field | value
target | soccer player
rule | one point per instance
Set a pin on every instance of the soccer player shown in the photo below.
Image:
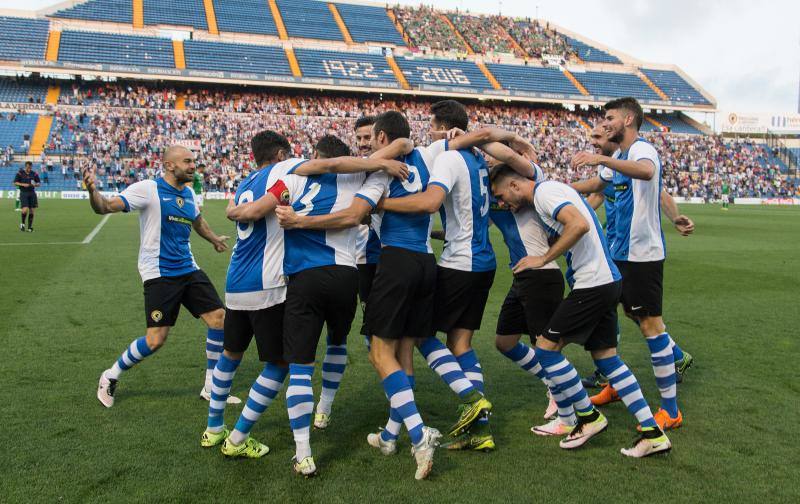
(638, 248)
(256, 286)
(588, 315)
(167, 215)
(197, 184)
(27, 181)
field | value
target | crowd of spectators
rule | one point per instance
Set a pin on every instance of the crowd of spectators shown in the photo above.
(427, 30)
(484, 34)
(538, 39)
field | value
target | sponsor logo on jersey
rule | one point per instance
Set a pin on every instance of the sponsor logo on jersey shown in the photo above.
(622, 187)
(179, 220)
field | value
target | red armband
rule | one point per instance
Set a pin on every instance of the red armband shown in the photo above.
(281, 193)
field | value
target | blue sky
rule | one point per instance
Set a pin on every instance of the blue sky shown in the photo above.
(745, 53)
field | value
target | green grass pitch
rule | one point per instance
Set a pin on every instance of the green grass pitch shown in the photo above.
(68, 310)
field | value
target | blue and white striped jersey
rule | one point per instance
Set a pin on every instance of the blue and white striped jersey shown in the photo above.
(464, 177)
(638, 236)
(255, 275)
(166, 215)
(589, 262)
(523, 231)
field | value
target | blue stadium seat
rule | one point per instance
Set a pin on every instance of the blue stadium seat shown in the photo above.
(309, 19)
(533, 79)
(116, 11)
(369, 24)
(674, 122)
(342, 65)
(56, 181)
(443, 73)
(94, 47)
(13, 132)
(12, 91)
(245, 16)
(795, 152)
(202, 55)
(175, 12)
(616, 85)
(675, 86)
(590, 53)
(22, 38)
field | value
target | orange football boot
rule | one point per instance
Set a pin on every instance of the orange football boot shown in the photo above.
(606, 396)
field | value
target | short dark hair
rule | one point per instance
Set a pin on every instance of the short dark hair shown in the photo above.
(364, 121)
(500, 172)
(331, 146)
(28, 163)
(393, 124)
(451, 114)
(266, 145)
(631, 105)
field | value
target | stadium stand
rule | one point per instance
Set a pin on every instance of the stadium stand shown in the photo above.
(672, 122)
(533, 79)
(117, 11)
(608, 84)
(203, 55)
(537, 39)
(14, 91)
(675, 86)
(245, 16)
(482, 33)
(369, 24)
(14, 128)
(369, 68)
(94, 47)
(426, 29)
(309, 19)
(441, 72)
(175, 12)
(22, 38)
(589, 53)
(795, 151)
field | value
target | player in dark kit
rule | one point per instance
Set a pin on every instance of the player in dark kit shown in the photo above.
(27, 181)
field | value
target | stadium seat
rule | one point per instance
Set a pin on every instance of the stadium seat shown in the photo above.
(117, 11)
(533, 79)
(443, 73)
(12, 132)
(309, 19)
(341, 65)
(86, 47)
(369, 24)
(245, 16)
(589, 53)
(175, 12)
(675, 86)
(202, 55)
(616, 85)
(672, 121)
(22, 38)
(12, 91)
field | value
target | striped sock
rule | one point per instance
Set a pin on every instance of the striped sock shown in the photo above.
(623, 381)
(472, 370)
(214, 341)
(401, 398)
(564, 376)
(676, 350)
(263, 391)
(525, 357)
(300, 403)
(222, 378)
(392, 430)
(442, 360)
(664, 368)
(136, 351)
(332, 371)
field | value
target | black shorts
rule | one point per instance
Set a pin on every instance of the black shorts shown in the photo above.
(366, 274)
(460, 298)
(587, 317)
(164, 296)
(531, 302)
(317, 296)
(642, 287)
(28, 200)
(267, 327)
(400, 304)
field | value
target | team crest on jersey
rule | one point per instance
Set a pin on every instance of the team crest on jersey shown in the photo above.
(156, 315)
(285, 197)
(180, 202)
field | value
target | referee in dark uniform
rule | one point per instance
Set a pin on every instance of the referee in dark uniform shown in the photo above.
(27, 181)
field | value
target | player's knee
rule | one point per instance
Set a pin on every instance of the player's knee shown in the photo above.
(156, 337)
(604, 353)
(233, 355)
(505, 343)
(546, 344)
(215, 319)
(651, 326)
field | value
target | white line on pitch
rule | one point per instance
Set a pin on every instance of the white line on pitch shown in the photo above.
(96, 229)
(39, 243)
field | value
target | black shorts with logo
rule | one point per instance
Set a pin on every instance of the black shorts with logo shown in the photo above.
(366, 275)
(315, 297)
(400, 304)
(267, 327)
(642, 287)
(531, 302)
(587, 317)
(28, 200)
(163, 297)
(460, 298)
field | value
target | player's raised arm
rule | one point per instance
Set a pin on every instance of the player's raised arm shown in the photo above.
(397, 148)
(100, 204)
(575, 226)
(428, 201)
(255, 210)
(589, 186)
(643, 168)
(683, 224)
(348, 164)
(203, 229)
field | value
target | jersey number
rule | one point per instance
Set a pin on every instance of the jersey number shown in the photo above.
(308, 199)
(247, 230)
(414, 182)
(483, 179)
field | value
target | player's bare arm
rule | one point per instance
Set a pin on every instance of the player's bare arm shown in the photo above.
(425, 202)
(397, 148)
(575, 226)
(643, 169)
(349, 217)
(595, 200)
(344, 165)
(458, 139)
(203, 229)
(589, 186)
(100, 204)
(682, 223)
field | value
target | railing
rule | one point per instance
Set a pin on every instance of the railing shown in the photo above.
(783, 153)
